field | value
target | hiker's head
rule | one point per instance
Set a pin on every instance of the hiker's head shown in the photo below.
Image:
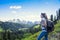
(43, 15)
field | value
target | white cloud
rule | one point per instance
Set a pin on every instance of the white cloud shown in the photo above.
(26, 18)
(15, 7)
(5, 18)
(30, 18)
(14, 12)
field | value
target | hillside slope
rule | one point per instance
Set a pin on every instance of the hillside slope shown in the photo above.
(34, 36)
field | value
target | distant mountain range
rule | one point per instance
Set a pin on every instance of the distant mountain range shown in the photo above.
(16, 24)
(23, 21)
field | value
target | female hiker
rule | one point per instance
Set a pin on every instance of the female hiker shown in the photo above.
(44, 32)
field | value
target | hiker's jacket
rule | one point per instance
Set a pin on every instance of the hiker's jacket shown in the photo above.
(43, 27)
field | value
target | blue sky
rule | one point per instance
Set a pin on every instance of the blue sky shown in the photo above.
(28, 10)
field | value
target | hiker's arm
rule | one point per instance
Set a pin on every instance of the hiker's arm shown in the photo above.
(45, 23)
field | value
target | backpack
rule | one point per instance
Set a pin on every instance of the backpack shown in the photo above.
(50, 26)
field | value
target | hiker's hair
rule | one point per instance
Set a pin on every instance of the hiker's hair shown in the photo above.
(44, 15)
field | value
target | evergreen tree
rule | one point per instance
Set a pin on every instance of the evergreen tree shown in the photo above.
(58, 14)
(51, 17)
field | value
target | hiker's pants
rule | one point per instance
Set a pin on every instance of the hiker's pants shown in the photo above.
(43, 34)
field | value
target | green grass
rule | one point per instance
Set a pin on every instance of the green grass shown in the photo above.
(57, 26)
(32, 37)
(37, 26)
